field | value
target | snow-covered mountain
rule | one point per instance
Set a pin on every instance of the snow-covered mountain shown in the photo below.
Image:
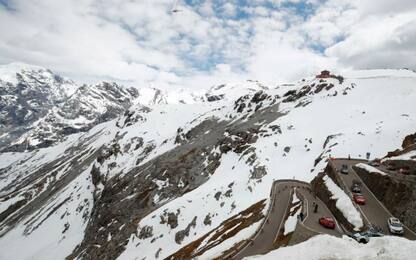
(126, 173)
(27, 95)
(40, 108)
(153, 96)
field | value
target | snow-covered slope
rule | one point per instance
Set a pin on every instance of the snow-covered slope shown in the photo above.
(153, 96)
(166, 173)
(232, 91)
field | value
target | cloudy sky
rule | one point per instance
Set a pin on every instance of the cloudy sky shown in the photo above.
(142, 42)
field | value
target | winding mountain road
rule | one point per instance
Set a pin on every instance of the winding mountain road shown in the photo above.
(266, 238)
(273, 225)
(311, 220)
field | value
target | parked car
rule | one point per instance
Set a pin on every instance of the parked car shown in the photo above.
(359, 198)
(327, 222)
(395, 226)
(344, 169)
(404, 170)
(361, 237)
(355, 188)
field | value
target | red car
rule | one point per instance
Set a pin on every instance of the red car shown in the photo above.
(359, 199)
(327, 222)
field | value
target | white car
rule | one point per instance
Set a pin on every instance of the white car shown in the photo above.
(395, 226)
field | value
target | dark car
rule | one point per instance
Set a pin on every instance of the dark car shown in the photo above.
(327, 222)
(355, 188)
(344, 169)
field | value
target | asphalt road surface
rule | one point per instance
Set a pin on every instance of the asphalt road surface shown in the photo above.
(311, 220)
(263, 241)
(273, 226)
(374, 212)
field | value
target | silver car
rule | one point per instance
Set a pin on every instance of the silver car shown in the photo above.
(395, 226)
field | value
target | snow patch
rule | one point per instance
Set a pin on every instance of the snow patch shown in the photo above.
(370, 168)
(344, 203)
(291, 221)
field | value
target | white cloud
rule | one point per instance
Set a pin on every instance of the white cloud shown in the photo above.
(143, 42)
(229, 9)
(207, 8)
(382, 37)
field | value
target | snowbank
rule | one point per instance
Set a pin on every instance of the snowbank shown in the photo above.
(291, 221)
(407, 156)
(344, 203)
(330, 247)
(370, 168)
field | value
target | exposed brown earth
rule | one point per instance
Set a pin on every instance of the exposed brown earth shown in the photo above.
(226, 230)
